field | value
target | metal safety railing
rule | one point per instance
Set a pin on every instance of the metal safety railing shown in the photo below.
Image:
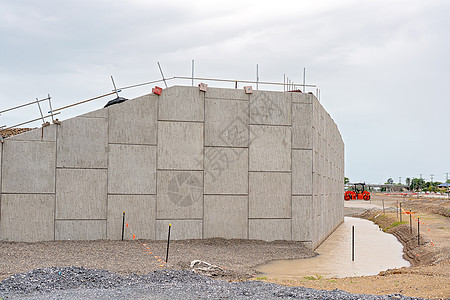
(287, 84)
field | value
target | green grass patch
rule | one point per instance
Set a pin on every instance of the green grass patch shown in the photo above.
(317, 277)
(395, 224)
(261, 278)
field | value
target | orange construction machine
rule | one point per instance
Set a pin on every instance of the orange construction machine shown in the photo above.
(357, 191)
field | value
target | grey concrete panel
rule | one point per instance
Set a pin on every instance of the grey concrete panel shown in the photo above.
(27, 217)
(302, 218)
(99, 113)
(269, 195)
(81, 194)
(302, 173)
(302, 98)
(140, 215)
(270, 108)
(180, 145)
(270, 148)
(180, 195)
(218, 93)
(80, 230)
(132, 169)
(226, 123)
(226, 170)
(226, 217)
(269, 229)
(302, 131)
(181, 229)
(82, 143)
(134, 121)
(181, 103)
(28, 167)
(43, 134)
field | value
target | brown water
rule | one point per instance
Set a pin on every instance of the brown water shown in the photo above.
(375, 251)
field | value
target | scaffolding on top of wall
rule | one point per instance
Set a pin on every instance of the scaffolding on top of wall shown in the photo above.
(287, 84)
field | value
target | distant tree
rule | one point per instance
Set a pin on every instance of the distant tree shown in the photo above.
(408, 182)
(390, 181)
(346, 180)
(418, 184)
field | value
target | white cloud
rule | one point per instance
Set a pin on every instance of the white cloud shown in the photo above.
(382, 66)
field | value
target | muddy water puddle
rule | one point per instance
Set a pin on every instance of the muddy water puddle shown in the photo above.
(375, 251)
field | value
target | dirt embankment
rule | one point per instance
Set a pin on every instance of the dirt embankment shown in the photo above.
(13, 131)
(416, 249)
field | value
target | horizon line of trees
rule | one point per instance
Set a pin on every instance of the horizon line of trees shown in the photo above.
(419, 184)
(415, 184)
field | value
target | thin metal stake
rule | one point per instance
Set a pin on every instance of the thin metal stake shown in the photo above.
(397, 209)
(418, 231)
(168, 243)
(164, 79)
(353, 243)
(410, 222)
(383, 206)
(123, 224)
(115, 89)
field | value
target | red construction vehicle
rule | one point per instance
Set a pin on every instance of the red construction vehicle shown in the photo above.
(357, 191)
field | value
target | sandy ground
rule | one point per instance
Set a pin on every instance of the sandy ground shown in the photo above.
(427, 278)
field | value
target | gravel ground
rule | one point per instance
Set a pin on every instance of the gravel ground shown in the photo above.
(82, 283)
(238, 257)
(134, 270)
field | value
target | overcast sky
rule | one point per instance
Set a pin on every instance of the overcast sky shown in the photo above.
(382, 66)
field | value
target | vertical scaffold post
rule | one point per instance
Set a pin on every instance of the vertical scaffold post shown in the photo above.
(257, 76)
(40, 110)
(192, 82)
(160, 70)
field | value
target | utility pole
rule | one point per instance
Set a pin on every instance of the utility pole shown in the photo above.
(399, 180)
(431, 175)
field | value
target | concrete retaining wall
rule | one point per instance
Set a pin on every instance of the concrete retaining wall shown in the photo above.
(221, 163)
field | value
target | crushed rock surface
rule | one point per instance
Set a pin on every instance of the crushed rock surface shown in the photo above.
(83, 283)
